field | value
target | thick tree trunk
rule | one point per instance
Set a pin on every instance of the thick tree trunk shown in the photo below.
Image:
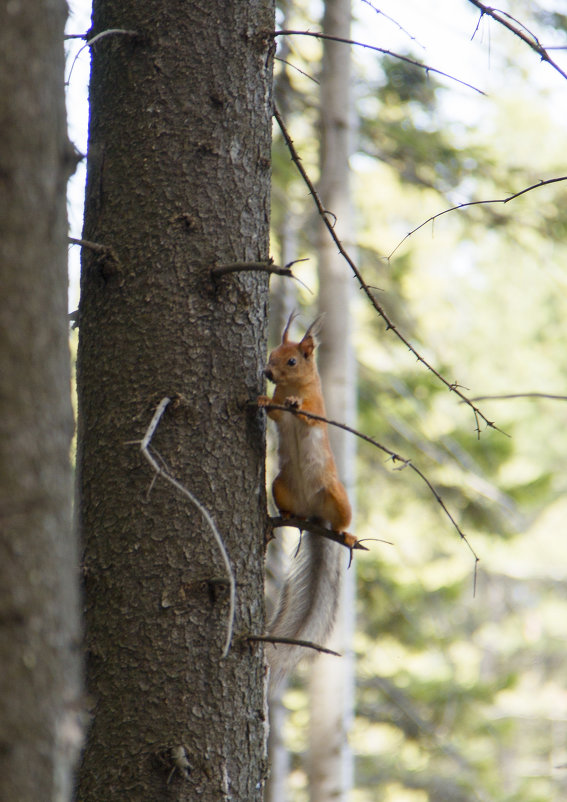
(39, 666)
(332, 680)
(178, 180)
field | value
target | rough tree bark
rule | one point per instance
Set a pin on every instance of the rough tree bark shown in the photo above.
(178, 181)
(332, 680)
(39, 639)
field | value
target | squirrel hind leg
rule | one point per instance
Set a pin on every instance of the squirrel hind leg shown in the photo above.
(335, 507)
(283, 497)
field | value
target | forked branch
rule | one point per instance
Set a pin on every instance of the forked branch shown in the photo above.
(519, 30)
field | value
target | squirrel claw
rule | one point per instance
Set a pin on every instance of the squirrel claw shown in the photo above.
(293, 402)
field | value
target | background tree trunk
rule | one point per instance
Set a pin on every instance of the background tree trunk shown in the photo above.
(39, 675)
(178, 180)
(332, 680)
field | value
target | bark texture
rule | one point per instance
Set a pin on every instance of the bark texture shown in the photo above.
(39, 674)
(178, 180)
(332, 680)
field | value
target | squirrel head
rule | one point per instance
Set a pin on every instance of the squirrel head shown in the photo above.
(293, 363)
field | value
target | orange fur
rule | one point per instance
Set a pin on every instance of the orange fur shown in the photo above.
(307, 486)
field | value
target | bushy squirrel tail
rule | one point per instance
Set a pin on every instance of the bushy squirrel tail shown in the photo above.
(307, 604)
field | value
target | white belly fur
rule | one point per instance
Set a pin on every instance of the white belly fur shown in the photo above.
(302, 461)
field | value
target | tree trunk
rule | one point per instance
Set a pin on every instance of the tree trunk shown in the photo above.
(332, 680)
(39, 675)
(178, 181)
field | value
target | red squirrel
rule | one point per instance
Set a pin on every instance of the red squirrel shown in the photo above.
(307, 486)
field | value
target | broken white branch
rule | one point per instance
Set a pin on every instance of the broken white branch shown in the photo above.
(97, 38)
(161, 471)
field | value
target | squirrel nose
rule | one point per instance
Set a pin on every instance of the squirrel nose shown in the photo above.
(269, 375)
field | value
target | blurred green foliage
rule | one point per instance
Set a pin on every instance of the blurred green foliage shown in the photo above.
(460, 695)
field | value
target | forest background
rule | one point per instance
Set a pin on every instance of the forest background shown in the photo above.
(459, 695)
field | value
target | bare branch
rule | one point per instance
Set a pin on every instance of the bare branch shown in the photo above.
(392, 20)
(343, 538)
(507, 199)
(164, 472)
(406, 59)
(307, 644)
(107, 255)
(266, 267)
(454, 387)
(395, 457)
(516, 27)
(549, 396)
(239, 267)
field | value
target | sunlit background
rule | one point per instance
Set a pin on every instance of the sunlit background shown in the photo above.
(461, 695)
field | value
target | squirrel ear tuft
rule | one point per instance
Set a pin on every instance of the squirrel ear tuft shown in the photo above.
(314, 329)
(287, 325)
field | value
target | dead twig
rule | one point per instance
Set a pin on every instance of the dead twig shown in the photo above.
(96, 247)
(293, 642)
(161, 470)
(267, 266)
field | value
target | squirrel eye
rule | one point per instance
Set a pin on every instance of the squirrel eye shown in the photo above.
(292, 361)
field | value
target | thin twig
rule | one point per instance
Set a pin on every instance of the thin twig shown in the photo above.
(392, 20)
(293, 642)
(162, 471)
(406, 59)
(343, 538)
(300, 71)
(507, 199)
(528, 38)
(454, 387)
(520, 395)
(394, 456)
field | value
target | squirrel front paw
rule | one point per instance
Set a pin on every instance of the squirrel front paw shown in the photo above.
(263, 400)
(293, 402)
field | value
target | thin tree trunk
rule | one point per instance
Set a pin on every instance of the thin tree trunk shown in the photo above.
(332, 679)
(178, 181)
(39, 638)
